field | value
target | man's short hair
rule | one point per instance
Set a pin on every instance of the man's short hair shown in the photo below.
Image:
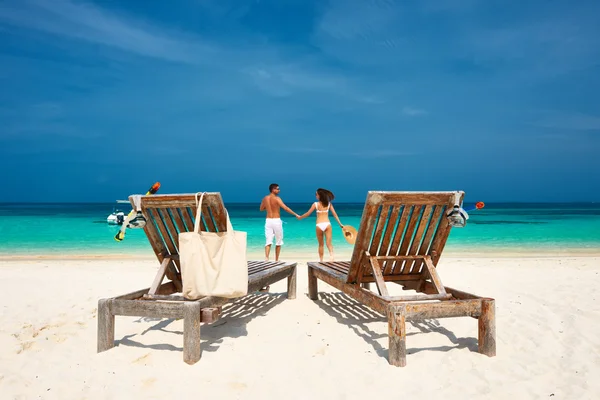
(272, 186)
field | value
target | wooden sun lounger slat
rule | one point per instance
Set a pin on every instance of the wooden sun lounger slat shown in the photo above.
(176, 218)
(414, 247)
(431, 230)
(188, 218)
(410, 229)
(383, 218)
(168, 222)
(387, 236)
(389, 265)
(400, 239)
(169, 243)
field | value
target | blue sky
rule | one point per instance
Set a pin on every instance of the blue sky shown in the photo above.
(497, 98)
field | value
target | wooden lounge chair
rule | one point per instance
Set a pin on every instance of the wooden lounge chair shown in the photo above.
(166, 216)
(400, 239)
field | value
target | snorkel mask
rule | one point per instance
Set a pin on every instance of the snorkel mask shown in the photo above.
(457, 217)
(139, 221)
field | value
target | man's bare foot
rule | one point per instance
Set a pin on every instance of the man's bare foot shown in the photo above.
(265, 289)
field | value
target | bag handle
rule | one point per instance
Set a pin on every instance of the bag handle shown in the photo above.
(198, 212)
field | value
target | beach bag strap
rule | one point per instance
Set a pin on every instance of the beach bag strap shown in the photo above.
(198, 212)
(199, 215)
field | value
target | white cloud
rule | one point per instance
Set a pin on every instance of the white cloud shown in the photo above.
(86, 22)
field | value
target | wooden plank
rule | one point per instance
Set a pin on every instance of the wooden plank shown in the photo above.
(429, 288)
(389, 266)
(156, 242)
(327, 270)
(443, 309)
(191, 214)
(218, 211)
(412, 224)
(172, 272)
(364, 296)
(313, 290)
(291, 285)
(160, 275)
(165, 297)
(435, 279)
(397, 335)
(416, 243)
(376, 268)
(378, 234)
(394, 278)
(419, 297)
(487, 328)
(189, 222)
(176, 218)
(177, 200)
(338, 267)
(432, 228)
(210, 225)
(171, 246)
(437, 247)
(412, 198)
(135, 308)
(259, 281)
(210, 315)
(404, 257)
(106, 326)
(191, 333)
(363, 237)
(389, 230)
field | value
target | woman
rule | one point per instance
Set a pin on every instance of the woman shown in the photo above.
(322, 206)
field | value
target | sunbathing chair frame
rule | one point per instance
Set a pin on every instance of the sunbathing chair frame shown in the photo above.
(400, 239)
(166, 216)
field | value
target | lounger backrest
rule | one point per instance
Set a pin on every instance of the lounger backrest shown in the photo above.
(169, 214)
(400, 224)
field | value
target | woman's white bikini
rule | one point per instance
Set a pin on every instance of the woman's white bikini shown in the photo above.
(322, 225)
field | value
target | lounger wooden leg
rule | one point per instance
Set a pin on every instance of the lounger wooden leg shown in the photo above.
(487, 328)
(291, 285)
(312, 285)
(397, 335)
(191, 332)
(106, 326)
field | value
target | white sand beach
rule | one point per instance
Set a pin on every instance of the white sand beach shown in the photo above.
(265, 346)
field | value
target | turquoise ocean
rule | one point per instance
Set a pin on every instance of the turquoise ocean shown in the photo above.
(54, 229)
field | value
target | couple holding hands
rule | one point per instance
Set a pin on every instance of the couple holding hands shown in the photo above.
(272, 204)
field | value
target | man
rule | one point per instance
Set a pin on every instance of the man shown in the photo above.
(272, 203)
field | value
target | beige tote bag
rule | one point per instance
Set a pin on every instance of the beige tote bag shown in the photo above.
(213, 264)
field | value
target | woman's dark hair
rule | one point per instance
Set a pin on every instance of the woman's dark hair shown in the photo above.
(325, 196)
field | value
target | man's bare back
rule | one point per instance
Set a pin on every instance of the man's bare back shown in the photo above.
(272, 204)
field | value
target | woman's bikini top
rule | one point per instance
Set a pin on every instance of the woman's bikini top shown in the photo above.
(321, 211)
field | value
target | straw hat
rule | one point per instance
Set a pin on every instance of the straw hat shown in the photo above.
(349, 234)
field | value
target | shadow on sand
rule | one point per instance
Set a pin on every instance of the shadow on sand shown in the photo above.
(357, 316)
(232, 323)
